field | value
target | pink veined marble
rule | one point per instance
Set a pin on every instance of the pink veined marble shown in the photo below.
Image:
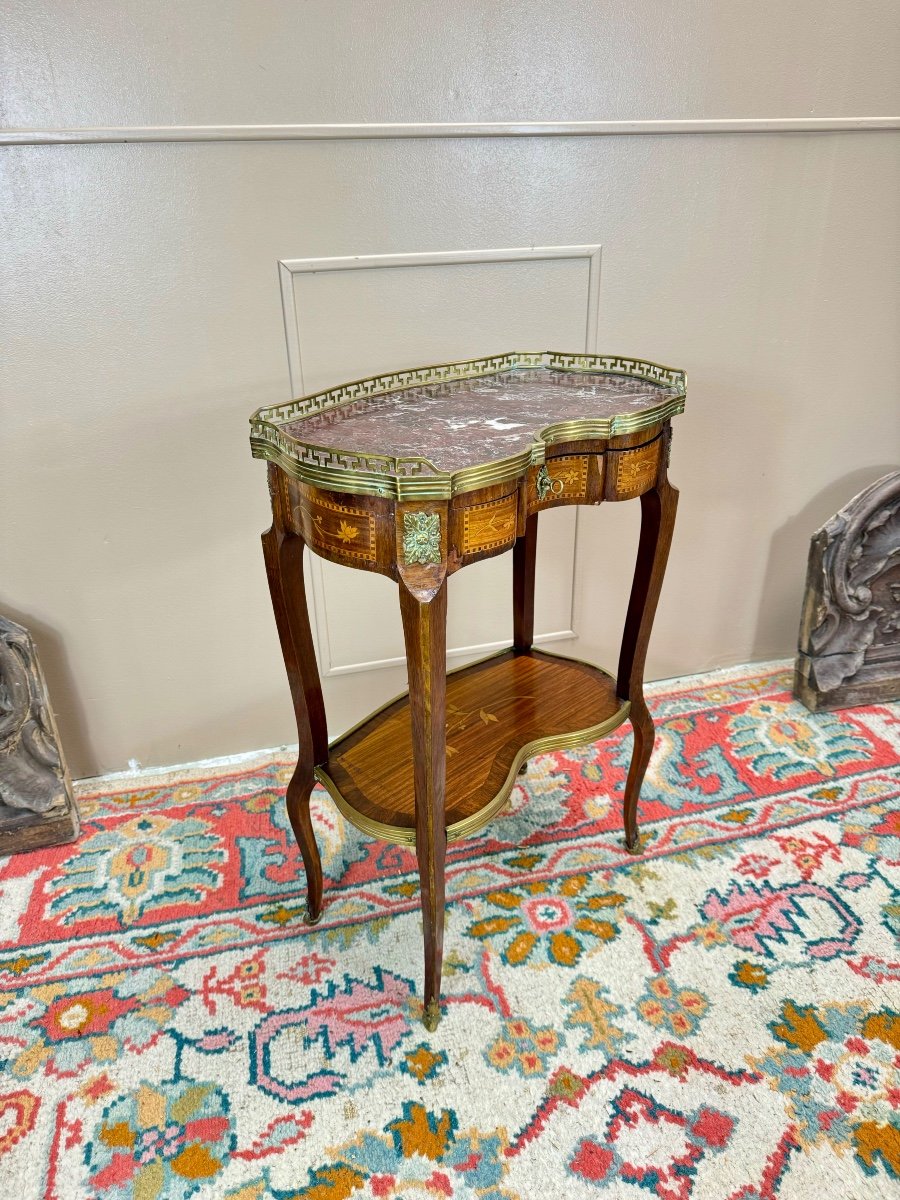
(470, 421)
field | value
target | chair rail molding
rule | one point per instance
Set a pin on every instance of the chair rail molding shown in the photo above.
(288, 268)
(374, 131)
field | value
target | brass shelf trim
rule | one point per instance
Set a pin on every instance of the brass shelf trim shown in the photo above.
(406, 836)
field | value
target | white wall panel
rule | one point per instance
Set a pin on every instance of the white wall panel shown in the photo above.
(348, 317)
(146, 62)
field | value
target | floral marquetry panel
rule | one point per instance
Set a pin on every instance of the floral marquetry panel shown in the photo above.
(489, 526)
(632, 472)
(356, 531)
(341, 528)
(562, 479)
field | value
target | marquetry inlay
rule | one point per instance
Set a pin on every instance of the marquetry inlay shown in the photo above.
(636, 469)
(487, 526)
(570, 470)
(341, 528)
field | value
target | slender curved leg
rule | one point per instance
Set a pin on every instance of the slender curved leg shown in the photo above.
(524, 551)
(425, 633)
(283, 551)
(657, 523)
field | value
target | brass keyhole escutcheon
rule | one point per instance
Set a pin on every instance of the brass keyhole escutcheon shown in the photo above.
(546, 485)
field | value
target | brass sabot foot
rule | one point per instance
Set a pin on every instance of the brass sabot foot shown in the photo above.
(635, 847)
(432, 1015)
(309, 919)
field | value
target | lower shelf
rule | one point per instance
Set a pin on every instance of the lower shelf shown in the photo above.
(500, 711)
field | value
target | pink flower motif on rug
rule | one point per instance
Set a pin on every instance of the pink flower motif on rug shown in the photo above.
(358, 1017)
(361, 1015)
(651, 1145)
(64, 1027)
(755, 915)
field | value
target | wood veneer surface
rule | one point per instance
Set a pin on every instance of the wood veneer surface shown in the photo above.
(494, 708)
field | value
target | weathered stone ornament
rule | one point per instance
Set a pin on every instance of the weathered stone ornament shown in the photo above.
(37, 807)
(849, 646)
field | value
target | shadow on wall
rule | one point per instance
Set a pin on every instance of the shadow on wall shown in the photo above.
(62, 687)
(252, 727)
(785, 578)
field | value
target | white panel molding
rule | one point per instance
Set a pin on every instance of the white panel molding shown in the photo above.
(380, 131)
(561, 635)
(289, 267)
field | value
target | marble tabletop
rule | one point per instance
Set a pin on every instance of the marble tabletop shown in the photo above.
(464, 422)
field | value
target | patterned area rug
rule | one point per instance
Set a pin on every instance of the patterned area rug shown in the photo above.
(715, 1019)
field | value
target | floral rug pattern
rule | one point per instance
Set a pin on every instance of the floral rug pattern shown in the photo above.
(716, 1019)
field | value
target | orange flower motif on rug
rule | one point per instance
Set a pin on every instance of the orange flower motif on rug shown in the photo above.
(557, 921)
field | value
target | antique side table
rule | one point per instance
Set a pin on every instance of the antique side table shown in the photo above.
(415, 475)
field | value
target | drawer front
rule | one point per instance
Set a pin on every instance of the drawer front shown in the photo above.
(560, 480)
(490, 526)
(630, 473)
(337, 531)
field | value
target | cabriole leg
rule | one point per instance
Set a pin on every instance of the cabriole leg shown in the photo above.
(283, 551)
(425, 633)
(657, 523)
(524, 552)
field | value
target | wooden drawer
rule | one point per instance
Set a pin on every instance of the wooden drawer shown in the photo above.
(629, 473)
(342, 530)
(357, 531)
(563, 479)
(486, 527)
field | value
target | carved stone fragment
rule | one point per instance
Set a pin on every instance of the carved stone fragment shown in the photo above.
(849, 646)
(36, 802)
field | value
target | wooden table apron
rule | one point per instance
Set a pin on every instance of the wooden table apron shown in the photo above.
(419, 543)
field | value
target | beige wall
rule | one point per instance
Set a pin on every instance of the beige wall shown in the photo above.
(142, 315)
